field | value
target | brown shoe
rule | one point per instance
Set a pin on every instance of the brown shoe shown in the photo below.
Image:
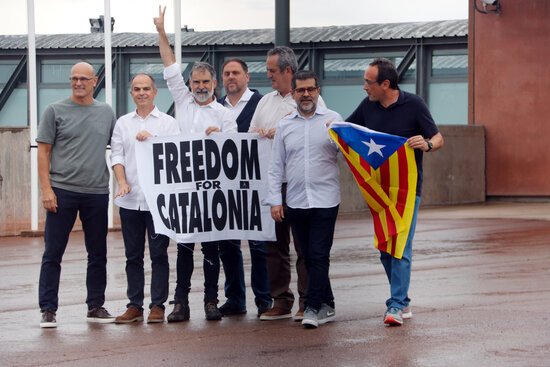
(132, 314)
(155, 315)
(276, 313)
(299, 316)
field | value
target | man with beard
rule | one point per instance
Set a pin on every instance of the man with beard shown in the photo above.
(303, 150)
(281, 65)
(197, 112)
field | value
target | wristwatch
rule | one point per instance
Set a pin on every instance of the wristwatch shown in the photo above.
(430, 145)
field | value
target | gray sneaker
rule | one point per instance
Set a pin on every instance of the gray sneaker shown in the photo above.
(393, 317)
(407, 313)
(310, 318)
(100, 315)
(48, 319)
(325, 314)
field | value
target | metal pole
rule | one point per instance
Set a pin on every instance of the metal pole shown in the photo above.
(108, 94)
(177, 30)
(33, 112)
(177, 38)
(282, 23)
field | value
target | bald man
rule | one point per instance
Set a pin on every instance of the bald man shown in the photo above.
(72, 137)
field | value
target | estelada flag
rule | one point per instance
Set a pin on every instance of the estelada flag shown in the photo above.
(385, 170)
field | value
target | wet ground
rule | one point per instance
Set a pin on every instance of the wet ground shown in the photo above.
(480, 294)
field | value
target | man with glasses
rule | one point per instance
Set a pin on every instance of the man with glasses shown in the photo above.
(390, 110)
(308, 157)
(72, 137)
(281, 65)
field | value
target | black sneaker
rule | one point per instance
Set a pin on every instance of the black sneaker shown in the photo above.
(263, 307)
(48, 319)
(180, 312)
(100, 315)
(229, 309)
(211, 311)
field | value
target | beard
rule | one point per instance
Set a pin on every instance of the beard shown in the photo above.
(307, 110)
(203, 95)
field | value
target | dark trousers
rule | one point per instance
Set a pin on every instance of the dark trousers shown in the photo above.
(134, 223)
(185, 266)
(278, 264)
(232, 260)
(92, 209)
(315, 231)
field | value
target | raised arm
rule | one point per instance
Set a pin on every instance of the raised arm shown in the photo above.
(166, 53)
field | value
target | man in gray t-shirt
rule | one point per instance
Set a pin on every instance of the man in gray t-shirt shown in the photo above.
(72, 137)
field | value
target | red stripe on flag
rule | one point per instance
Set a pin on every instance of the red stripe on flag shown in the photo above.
(368, 187)
(385, 183)
(379, 231)
(403, 191)
(343, 144)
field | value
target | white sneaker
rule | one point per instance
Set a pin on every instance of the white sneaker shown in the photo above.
(407, 313)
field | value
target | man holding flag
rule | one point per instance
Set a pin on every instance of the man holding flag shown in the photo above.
(388, 109)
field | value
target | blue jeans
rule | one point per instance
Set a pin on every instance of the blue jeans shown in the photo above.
(315, 231)
(232, 260)
(185, 266)
(398, 271)
(92, 209)
(134, 223)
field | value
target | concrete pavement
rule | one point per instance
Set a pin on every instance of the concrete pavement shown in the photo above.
(480, 293)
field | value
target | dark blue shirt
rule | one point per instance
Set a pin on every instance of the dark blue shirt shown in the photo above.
(407, 117)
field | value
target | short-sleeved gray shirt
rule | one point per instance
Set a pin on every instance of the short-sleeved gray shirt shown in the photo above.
(79, 135)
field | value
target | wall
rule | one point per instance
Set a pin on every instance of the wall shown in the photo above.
(455, 174)
(15, 192)
(509, 81)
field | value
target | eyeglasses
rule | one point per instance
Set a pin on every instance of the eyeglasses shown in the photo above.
(81, 79)
(370, 82)
(310, 90)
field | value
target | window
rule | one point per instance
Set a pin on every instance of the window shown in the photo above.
(14, 112)
(448, 86)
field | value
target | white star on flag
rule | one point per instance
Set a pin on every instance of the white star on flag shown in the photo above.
(374, 148)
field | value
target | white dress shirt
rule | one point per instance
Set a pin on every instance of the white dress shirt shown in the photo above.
(192, 117)
(123, 150)
(239, 107)
(302, 147)
(272, 108)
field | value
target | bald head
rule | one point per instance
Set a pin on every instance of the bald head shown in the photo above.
(83, 82)
(83, 68)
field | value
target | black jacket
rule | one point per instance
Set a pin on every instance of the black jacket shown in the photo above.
(243, 121)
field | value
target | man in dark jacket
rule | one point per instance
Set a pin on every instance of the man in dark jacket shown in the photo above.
(242, 102)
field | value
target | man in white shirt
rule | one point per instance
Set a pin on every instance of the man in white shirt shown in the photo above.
(242, 102)
(197, 112)
(135, 217)
(281, 65)
(303, 150)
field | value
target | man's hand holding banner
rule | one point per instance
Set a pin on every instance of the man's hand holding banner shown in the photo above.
(201, 189)
(385, 170)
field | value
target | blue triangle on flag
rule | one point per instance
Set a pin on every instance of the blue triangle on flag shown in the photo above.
(373, 147)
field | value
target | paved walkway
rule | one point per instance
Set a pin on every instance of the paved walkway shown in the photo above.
(480, 293)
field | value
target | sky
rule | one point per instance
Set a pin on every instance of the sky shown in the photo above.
(72, 16)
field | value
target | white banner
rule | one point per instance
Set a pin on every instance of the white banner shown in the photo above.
(210, 188)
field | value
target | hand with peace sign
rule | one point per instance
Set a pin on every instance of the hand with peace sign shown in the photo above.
(166, 53)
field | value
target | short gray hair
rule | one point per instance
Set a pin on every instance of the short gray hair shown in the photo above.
(203, 66)
(286, 58)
